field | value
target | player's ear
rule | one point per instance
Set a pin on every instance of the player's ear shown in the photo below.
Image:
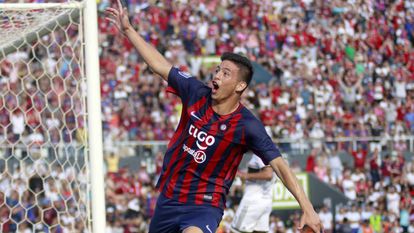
(241, 86)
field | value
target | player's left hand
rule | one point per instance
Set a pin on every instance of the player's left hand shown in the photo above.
(119, 17)
(312, 220)
(242, 175)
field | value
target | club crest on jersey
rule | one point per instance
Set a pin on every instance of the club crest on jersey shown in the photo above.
(203, 139)
(223, 127)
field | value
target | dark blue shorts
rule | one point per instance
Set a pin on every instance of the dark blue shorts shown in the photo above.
(171, 216)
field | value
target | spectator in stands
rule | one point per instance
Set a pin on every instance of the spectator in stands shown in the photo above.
(354, 217)
(360, 156)
(375, 221)
(335, 165)
(311, 161)
(386, 169)
(348, 186)
(327, 219)
(374, 167)
(393, 201)
(112, 163)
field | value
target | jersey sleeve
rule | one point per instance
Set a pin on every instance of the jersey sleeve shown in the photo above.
(260, 143)
(182, 84)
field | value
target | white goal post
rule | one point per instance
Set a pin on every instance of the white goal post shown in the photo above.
(51, 161)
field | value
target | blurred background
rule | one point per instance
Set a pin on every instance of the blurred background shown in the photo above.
(334, 88)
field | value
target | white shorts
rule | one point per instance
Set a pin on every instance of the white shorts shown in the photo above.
(252, 215)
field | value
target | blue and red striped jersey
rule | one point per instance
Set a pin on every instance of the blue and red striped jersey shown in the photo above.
(202, 157)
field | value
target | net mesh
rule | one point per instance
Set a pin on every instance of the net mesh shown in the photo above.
(16, 24)
(44, 176)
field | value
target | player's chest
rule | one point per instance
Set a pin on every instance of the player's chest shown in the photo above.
(204, 124)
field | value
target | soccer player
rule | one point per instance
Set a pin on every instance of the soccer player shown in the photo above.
(254, 210)
(214, 132)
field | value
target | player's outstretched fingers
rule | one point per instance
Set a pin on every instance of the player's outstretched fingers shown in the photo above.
(121, 9)
(111, 12)
(306, 227)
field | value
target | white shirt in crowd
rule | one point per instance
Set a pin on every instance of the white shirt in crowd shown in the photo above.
(393, 202)
(326, 218)
(354, 218)
(366, 214)
(335, 163)
(410, 177)
(374, 197)
(400, 89)
(355, 177)
(349, 188)
(17, 121)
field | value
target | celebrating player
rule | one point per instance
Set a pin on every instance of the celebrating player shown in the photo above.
(214, 132)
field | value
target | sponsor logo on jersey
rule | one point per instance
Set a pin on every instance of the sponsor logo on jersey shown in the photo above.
(203, 139)
(199, 156)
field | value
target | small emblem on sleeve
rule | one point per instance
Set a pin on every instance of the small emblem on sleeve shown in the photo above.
(184, 74)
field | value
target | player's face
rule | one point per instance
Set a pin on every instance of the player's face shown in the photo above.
(226, 82)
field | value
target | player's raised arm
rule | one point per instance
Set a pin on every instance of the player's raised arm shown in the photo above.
(151, 56)
(309, 217)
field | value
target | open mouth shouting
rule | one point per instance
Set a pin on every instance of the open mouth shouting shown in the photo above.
(215, 87)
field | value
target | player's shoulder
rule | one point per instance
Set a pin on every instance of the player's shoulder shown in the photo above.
(182, 77)
(176, 71)
(249, 118)
(247, 114)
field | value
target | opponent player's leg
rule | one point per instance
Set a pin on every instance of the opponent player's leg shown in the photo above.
(247, 215)
(239, 224)
(262, 225)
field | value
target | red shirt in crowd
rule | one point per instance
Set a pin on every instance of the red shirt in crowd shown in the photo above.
(310, 163)
(359, 158)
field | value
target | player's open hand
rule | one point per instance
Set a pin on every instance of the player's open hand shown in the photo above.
(312, 220)
(119, 17)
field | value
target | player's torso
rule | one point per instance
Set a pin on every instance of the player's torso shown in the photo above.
(208, 138)
(203, 156)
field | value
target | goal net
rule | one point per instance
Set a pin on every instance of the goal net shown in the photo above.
(45, 178)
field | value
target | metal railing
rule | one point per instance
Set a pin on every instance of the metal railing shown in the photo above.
(300, 145)
(287, 145)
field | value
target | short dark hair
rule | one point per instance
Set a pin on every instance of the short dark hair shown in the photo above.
(244, 64)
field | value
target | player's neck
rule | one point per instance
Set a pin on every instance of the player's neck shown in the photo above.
(225, 107)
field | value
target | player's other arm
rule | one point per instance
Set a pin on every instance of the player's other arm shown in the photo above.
(288, 178)
(265, 173)
(155, 60)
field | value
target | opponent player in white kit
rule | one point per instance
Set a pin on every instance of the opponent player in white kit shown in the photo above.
(255, 207)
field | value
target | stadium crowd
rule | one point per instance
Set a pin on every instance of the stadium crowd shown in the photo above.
(340, 69)
(379, 193)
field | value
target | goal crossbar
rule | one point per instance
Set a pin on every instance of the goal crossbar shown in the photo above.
(34, 6)
(8, 46)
